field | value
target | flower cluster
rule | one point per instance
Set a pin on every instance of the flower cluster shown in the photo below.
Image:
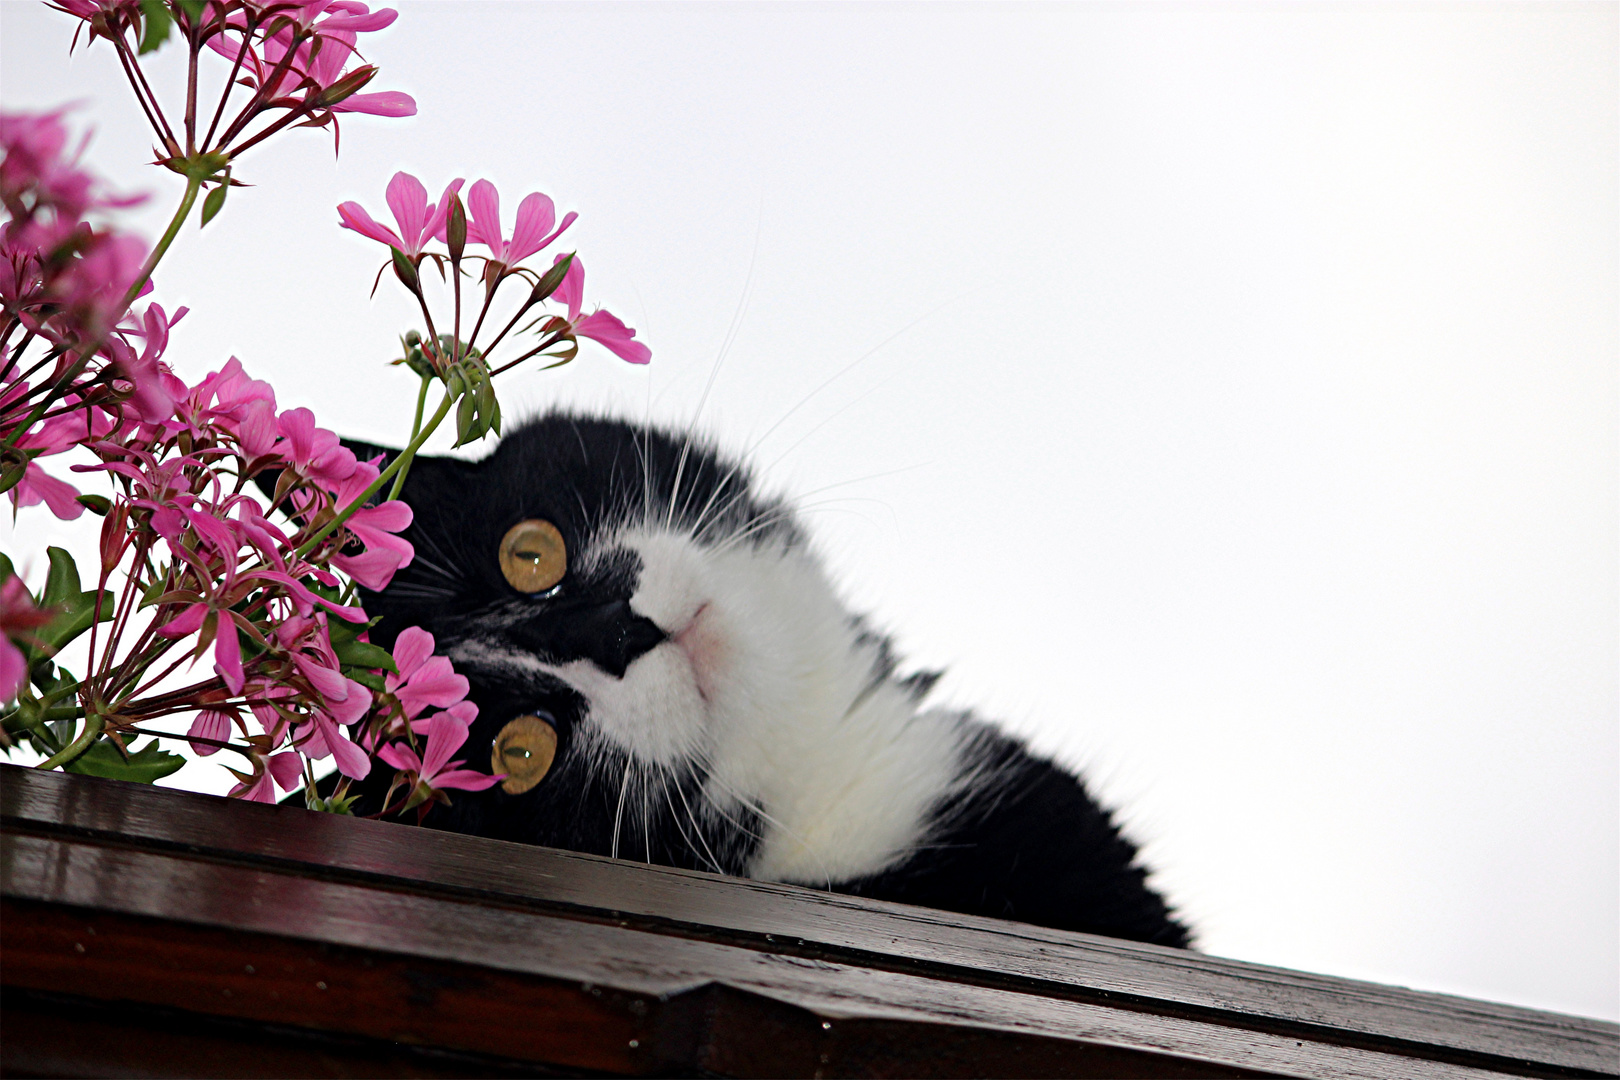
(465, 365)
(293, 56)
(66, 284)
(235, 534)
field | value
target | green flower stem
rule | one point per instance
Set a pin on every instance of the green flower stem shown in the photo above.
(416, 426)
(20, 720)
(193, 185)
(92, 730)
(395, 467)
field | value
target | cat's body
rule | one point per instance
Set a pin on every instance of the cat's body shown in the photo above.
(716, 706)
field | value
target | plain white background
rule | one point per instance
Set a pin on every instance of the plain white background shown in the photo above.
(1226, 397)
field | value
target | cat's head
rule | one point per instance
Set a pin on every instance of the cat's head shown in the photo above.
(631, 590)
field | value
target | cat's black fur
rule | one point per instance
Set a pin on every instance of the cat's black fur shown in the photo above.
(1014, 836)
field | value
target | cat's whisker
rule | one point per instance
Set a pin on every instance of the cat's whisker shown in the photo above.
(646, 819)
(714, 370)
(675, 817)
(701, 525)
(618, 814)
(421, 538)
(697, 828)
(753, 806)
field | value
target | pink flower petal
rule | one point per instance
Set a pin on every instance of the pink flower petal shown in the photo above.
(400, 756)
(466, 780)
(351, 761)
(536, 214)
(331, 685)
(228, 654)
(287, 769)
(572, 289)
(413, 646)
(407, 198)
(261, 791)
(606, 328)
(484, 220)
(441, 212)
(13, 669)
(354, 706)
(445, 735)
(385, 103)
(351, 215)
(187, 622)
(373, 568)
(209, 724)
(37, 486)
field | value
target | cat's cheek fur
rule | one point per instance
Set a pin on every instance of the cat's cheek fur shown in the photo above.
(844, 770)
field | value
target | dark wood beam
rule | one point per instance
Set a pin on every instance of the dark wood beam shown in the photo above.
(272, 938)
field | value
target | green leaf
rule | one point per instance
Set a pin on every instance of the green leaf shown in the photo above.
(363, 654)
(341, 632)
(143, 767)
(153, 593)
(48, 677)
(77, 608)
(366, 678)
(62, 583)
(213, 203)
(96, 504)
(158, 20)
(193, 8)
(6, 569)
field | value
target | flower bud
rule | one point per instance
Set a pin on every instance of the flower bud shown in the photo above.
(455, 228)
(405, 270)
(345, 87)
(551, 279)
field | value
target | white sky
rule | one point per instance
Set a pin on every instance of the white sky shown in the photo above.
(1233, 409)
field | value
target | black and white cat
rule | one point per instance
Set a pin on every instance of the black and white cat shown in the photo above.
(659, 654)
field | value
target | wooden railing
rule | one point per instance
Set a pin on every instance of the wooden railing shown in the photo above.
(153, 932)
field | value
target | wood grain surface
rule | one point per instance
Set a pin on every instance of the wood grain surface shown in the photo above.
(222, 921)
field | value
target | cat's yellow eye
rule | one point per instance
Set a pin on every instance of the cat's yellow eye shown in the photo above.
(533, 556)
(523, 751)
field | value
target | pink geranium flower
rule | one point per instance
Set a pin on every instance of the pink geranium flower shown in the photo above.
(600, 326)
(227, 646)
(151, 397)
(434, 769)
(324, 65)
(38, 486)
(419, 220)
(424, 679)
(373, 526)
(285, 770)
(535, 216)
(311, 451)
